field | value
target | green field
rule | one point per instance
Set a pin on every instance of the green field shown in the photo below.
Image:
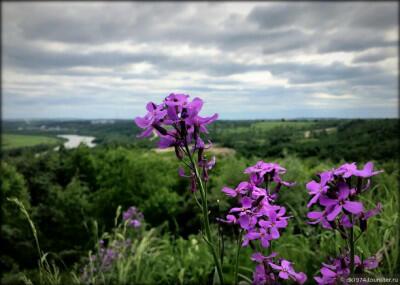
(11, 141)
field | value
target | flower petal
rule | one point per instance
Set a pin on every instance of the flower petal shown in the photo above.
(353, 207)
(332, 215)
(229, 192)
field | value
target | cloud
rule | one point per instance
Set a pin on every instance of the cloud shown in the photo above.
(375, 56)
(250, 60)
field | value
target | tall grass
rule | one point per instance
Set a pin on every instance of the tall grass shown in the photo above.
(49, 273)
(152, 257)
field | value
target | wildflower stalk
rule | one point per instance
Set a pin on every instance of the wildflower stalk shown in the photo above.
(206, 221)
(351, 247)
(178, 124)
(342, 210)
(239, 240)
(261, 219)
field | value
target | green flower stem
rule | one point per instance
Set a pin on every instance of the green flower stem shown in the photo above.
(203, 196)
(351, 247)
(237, 255)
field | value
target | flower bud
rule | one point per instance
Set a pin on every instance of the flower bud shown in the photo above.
(193, 183)
(183, 128)
(160, 129)
(363, 225)
(200, 157)
(178, 152)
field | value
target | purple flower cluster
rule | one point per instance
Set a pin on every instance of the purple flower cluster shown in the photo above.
(338, 270)
(337, 195)
(261, 219)
(257, 215)
(133, 217)
(266, 271)
(176, 121)
(178, 124)
(337, 192)
(103, 260)
(113, 249)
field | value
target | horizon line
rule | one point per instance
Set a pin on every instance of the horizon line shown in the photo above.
(227, 119)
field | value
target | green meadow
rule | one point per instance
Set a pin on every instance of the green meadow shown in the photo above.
(12, 141)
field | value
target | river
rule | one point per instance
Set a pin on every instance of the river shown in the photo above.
(74, 141)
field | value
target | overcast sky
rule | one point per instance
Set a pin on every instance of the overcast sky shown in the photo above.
(246, 60)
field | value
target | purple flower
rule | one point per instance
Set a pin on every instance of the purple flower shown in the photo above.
(135, 223)
(346, 170)
(341, 202)
(177, 101)
(370, 263)
(338, 270)
(246, 217)
(152, 120)
(350, 169)
(246, 205)
(241, 189)
(258, 257)
(178, 112)
(261, 277)
(328, 276)
(368, 214)
(336, 196)
(262, 168)
(319, 218)
(260, 234)
(128, 214)
(262, 273)
(275, 222)
(207, 165)
(260, 218)
(266, 172)
(317, 189)
(132, 217)
(367, 171)
(286, 271)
